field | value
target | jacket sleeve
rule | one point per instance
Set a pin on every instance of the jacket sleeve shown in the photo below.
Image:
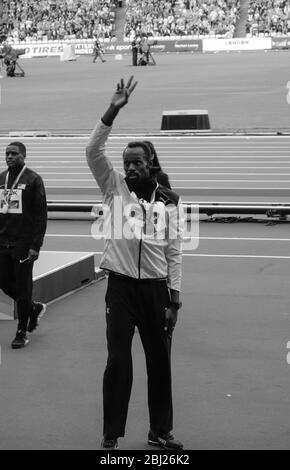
(100, 166)
(173, 251)
(39, 213)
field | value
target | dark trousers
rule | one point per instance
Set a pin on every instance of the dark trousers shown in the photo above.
(96, 55)
(134, 56)
(16, 281)
(132, 302)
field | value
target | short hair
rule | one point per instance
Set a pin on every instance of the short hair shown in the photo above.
(20, 145)
(144, 145)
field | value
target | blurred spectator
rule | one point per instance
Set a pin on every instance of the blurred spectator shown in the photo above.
(181, 18)
(57, 19)
(268, 17)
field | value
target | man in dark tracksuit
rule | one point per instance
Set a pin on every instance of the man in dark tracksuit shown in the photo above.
(143, 258)
(23, 219)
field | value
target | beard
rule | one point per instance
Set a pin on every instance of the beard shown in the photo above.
(142, 187)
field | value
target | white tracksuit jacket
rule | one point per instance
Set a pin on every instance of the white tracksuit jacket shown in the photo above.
(143, 239)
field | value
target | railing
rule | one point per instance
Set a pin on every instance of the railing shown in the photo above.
(268, 209)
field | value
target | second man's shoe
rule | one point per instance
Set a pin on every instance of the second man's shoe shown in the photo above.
(38, 310)
(20, 340)
(110, 444)
(165, 441)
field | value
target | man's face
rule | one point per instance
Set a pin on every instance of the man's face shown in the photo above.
(136, 165)
(14, 158)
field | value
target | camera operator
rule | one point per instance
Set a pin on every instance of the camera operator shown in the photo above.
(135, 48)
(144, 45)
(10, 57)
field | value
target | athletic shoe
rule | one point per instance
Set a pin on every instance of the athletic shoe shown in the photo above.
(165, 441)
(38, 310)
(110, 444)
(20, 340)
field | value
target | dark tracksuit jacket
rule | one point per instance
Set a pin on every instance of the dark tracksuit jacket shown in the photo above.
(21, 229)
(24, 227)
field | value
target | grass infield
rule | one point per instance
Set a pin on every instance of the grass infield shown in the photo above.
(241, 91)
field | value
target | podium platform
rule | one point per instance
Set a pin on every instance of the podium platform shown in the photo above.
(6, 307)
(55, 273)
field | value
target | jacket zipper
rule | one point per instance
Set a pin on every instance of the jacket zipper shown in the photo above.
(140, 244)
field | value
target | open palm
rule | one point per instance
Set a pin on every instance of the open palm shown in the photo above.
(121, 96)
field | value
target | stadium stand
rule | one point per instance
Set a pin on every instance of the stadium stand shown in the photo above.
(58, 19)
(181, 18)
(269, 17)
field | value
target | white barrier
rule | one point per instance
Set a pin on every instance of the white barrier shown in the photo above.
(236, 44)
(85, 46)
(51, 49)
(68, 53)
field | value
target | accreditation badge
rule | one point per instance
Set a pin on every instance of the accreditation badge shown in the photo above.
(11, 201)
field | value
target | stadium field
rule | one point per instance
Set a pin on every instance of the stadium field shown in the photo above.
(241, 91)
(231, 345)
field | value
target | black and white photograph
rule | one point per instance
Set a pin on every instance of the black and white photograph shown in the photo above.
(144, 217)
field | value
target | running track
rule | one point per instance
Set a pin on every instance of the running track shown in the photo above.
(231, 376)
(230, 369)
(200, 167)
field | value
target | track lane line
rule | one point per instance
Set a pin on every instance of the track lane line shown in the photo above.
(258, 239)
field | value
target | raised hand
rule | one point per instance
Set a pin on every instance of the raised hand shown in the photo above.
(121, 96)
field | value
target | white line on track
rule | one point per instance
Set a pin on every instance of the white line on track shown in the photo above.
(226, 180)
(162, 139)
(162, 146)
(246, 239)
(81, 167)
(213, 255)
(71, 235)
(155, 137)
(180, 188)
(237, 173)
(181, 180)
(170, 150)
(206, 164)
(196, 202)
(176, 158)
(168, 145)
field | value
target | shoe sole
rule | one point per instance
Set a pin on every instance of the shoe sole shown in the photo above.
(42, 312)
(110, 448)
(14, 346)
(162, 446)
